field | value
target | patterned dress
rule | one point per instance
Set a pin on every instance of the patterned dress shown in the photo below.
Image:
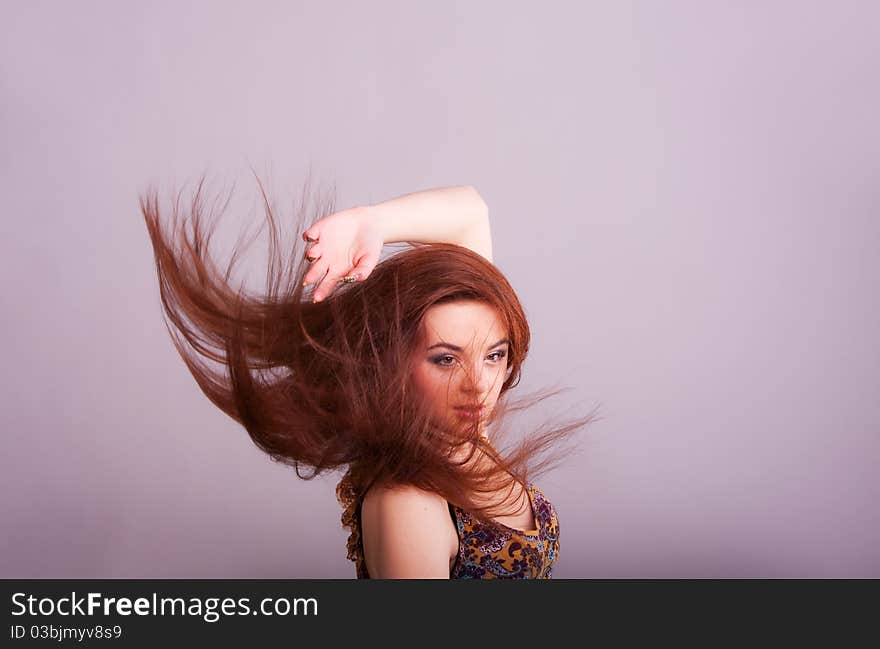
(497, 551)
(485, 551)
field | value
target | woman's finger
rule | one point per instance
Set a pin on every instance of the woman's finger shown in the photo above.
(315, 273)
(364, 266)
(325, 286)
(313, 253)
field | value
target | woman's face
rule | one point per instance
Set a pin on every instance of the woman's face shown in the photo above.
(460, 362)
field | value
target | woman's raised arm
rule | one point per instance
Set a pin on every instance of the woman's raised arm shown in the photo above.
(446, 215)
(347, 244)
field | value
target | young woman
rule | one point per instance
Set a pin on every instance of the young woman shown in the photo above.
(395, 370)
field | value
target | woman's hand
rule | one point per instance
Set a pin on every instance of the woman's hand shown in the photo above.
(346, 244)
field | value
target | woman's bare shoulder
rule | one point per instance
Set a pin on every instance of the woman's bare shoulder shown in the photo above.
(403, 498)
(407, 532)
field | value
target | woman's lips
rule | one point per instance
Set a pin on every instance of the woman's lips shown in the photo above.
(469, 412)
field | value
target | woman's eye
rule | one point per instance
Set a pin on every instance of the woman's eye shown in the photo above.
(447, 360)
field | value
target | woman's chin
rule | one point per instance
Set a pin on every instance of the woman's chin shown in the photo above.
(462, 423)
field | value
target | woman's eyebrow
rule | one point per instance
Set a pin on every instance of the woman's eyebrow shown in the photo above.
(458, 349)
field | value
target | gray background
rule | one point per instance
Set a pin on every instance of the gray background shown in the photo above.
(684, 194)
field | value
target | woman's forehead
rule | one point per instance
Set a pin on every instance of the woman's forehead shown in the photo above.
(463, 323)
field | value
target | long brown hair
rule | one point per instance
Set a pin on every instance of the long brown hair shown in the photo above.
(325, 386)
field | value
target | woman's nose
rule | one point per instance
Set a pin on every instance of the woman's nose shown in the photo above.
(476, 379)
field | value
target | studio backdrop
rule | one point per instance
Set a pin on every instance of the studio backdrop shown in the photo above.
(683, 194)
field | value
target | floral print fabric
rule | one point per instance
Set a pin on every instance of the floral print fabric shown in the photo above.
(495, 551)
